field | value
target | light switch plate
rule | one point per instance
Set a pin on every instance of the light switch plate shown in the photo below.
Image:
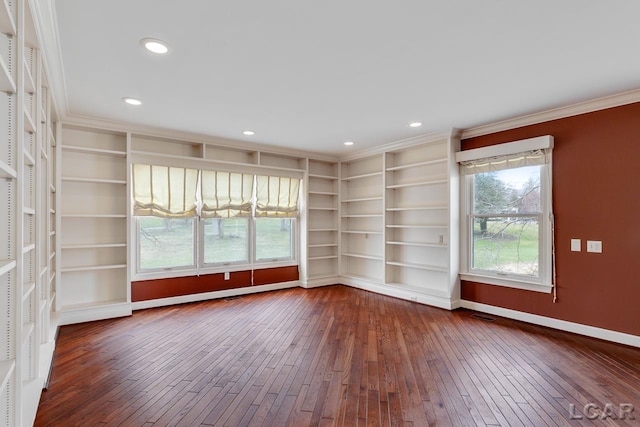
(594, 246)
(576, 245)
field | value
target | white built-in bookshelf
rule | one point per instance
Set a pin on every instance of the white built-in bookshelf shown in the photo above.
(93, 196)
(27, 216)
(382, 221)
(322, 218)
(362, 219)
(417, 206)
(399, 215)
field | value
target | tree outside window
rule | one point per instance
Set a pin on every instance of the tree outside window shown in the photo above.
(506, 218)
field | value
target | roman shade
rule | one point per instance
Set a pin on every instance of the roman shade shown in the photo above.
(528, 152)
(226, 194)
(276, 196)
(162, 191)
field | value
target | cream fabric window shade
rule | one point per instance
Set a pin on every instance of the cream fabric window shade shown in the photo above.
(226, 194)
(528, 152)
(277, 196)
(168, 192)
(494, 164)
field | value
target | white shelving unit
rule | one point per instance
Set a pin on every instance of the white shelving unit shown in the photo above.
(322, 219)
(399, 212)
(362, 219)
(93, 195)
(48, 209)
(9, 212)
(27, 324)
(419, 201)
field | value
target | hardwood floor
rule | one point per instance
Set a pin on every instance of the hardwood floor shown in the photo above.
(333, 356)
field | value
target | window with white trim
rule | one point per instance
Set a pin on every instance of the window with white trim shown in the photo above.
(190, 219)
(507, 224)
(276, 209)
(226, 210)
(274, 239)
(166, 243)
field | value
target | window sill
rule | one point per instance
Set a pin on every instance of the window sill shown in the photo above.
(507, 282)
(259, 265)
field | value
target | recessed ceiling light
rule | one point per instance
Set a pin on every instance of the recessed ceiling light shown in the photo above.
(155, 46)
(415, 124)
(132, 101)
(348, 143)
(248, 132)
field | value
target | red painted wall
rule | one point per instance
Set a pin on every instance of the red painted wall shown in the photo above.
(266, 276)
(145, 290)
(596, 196)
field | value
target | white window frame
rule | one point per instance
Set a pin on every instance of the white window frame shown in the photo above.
(181, 268)
(200, 267)
(278, 262)
(544, 281)
(224, 265)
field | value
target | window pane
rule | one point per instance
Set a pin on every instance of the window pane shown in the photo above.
(508, 245)
(507, 191)
(225, 240)
(273, 238)
(165, 243)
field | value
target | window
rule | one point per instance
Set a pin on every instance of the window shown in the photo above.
(507, 224)
(165, 202)
(276, 206)
(226, 240)
(226, 208)
(189, 219)
(165, 242)
(274, 239)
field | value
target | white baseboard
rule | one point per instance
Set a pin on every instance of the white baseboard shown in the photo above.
(34, 387)
(161, 302)
(91, 313)
(419, 297)
(324, 281)
(563, 325)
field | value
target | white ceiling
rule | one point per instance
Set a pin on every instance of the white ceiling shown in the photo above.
(313, 74)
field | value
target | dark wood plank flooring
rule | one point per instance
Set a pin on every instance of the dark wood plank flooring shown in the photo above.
(333, 356)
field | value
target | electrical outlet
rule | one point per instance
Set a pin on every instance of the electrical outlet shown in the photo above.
(594, 246)
(226, 275)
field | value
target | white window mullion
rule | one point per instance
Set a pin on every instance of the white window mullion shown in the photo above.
(252, 242)
(196, 243)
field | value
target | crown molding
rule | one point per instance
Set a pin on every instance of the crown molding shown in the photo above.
(189, 137)
(597, 104)
(403, 143)
(46, 23)
(154, 132)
